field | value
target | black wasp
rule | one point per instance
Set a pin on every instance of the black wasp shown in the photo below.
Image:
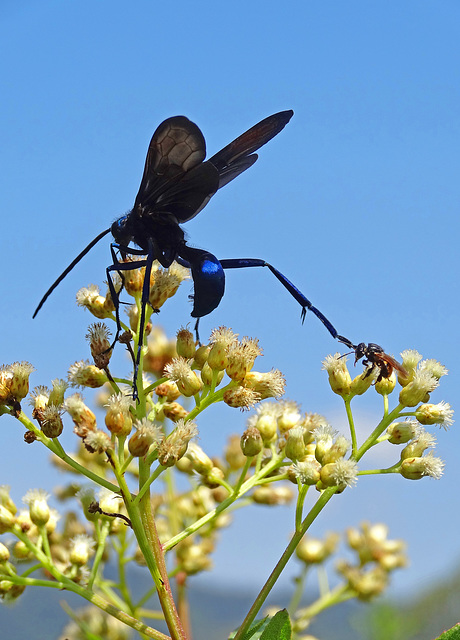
(375, 357)
(176, 185)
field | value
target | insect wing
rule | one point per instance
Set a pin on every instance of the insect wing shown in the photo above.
(228, 174)
(176, 147)
(188, 195)
(236, 156)
(394, 363)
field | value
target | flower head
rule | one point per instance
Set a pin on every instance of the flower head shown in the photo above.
(339, 376)
(172, 448)
(85, 374)
(98, 338)
(440, 413)
(268, 385)
(180, 372)
(39, 511)
(341, 473)
(422, 384)
(90, 298)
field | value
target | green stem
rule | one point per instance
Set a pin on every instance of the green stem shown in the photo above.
(341, 593)
(149, 542)
(300, 502)
(99, 602)
(370, 472)
(288, 552)
(244, 470)
(103, 532)
(55, 447)
(379, 429)
(146, 485)
(351, 424)
(45, 541)
(122, 583)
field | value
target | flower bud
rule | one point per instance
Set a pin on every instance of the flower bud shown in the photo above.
(366, 584)
(314, 551)
(419, 445)
(6, 500)
(168, 390)
(341, 473)
(110, 503)
(241, 398)
(217, 358)
(201, 462)
(307, 471)
(251, 442)
(295, 445)
(271, 495)
(266, 422)
(180, 372)
(21, 551)
(84, 374)
(289, 415)
(241, 356)
(82, 416)
(51, 421)
(270, 384)
(81, 548)
(385, 386)
(90, 298)
(337, 450)
(323, 436)
(4, 553)
(360, 384)
(412, 468)
(6, 378)
(97, 441)
(185, 345)
(118, 418)
(7, 519)
(56, 395)
(440, 413)
(416, 391)
(19, 386)
(39, 510)
(98, 338)
(174, 447)
(145, 435)
(201, 356)
(174, 411)
(415, 468)
(339, 376)
(401, 432)
(166, 283)
(207, 375)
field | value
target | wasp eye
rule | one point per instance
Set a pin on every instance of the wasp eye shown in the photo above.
(119, 230)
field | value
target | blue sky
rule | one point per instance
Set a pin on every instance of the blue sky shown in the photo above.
(356, 201)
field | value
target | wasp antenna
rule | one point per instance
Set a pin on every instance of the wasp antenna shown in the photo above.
(69, 269)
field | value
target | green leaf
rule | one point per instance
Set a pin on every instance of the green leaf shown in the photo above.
(451, 634)
(256, 626)
(279, 627)
(276, 628)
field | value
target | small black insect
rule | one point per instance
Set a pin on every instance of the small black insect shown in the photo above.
(376, 357)
(176, 185)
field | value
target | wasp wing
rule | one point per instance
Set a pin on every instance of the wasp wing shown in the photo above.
(176, 147)
(236, 157)
(188, 195)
